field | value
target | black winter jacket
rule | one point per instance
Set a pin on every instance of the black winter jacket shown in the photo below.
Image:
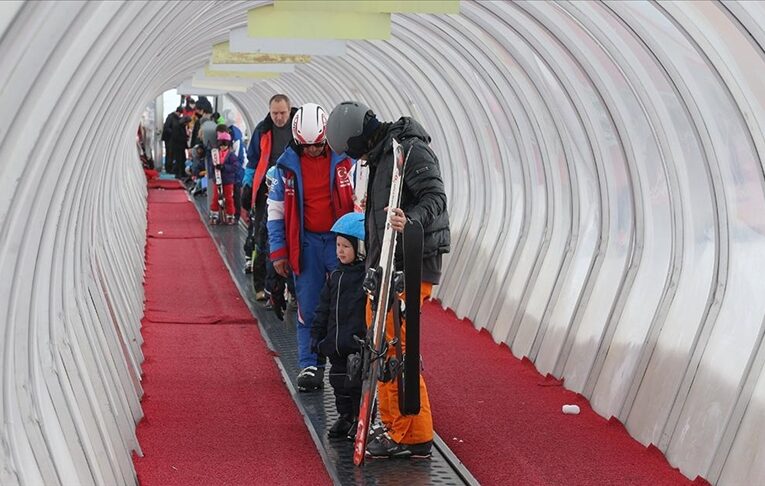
(178, 136)
(167, 128)
(423, 197)
(341, 312)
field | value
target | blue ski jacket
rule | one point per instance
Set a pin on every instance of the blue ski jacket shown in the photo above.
(285, 203)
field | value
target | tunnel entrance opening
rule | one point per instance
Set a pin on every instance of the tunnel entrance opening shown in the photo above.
(168, 131)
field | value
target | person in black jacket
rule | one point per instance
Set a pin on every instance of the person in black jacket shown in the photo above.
(171, 123)
(339, 317)
(178, 143)
(354, 129)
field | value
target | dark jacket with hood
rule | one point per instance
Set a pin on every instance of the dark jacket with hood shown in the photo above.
(167, 128)
(178, 136)
(423, 198)
(341, 312)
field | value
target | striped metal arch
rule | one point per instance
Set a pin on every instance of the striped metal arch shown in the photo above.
(603, 163)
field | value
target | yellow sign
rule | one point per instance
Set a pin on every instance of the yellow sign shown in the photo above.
(287, 24)
(372, 6)
(212, 73)
(222, 55)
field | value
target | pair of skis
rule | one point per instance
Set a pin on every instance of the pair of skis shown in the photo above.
(221, 216)
(384, 295)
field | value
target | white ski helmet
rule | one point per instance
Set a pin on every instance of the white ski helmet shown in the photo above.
(309, 125)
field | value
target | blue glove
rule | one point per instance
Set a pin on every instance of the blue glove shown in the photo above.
(249, 175)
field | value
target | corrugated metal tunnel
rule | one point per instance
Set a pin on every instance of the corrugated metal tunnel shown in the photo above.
(603, 163)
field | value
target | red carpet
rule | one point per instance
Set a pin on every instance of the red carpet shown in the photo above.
(216, 409)
(504, 421)
(173, 220)
(171, 184)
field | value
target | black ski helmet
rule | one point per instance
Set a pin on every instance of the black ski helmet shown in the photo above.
(346, 128)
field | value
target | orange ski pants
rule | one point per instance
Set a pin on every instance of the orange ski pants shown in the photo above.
(404, 429)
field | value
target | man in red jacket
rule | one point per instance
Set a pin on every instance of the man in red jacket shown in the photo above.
(311, 190)
(269, 139)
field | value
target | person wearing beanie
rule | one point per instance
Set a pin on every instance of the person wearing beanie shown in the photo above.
(188, 109)
(228, 170)
(354, 129)
(205, 134)
(340, 317)
(237, 147)
(178, 143)
(204, 105)
(311, 190)
(203, 110)
(172, 122)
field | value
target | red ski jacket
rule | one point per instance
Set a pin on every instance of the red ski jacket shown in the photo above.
(285, 203)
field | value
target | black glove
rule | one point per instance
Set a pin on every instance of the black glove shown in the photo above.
(249, 245)
(354, 370)
(278, 304)
(246, 196)
(315, 343)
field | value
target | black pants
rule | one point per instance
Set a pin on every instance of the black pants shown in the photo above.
(237, 201)
(168, 158)
(261, 243)
(178, 152)
(347, 396)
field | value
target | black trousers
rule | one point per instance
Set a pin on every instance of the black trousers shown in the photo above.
(178, 152)
(347, 396)
(237, 200)
(168, 157)
(261, 243)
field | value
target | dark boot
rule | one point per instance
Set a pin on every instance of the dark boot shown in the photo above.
(344, 425)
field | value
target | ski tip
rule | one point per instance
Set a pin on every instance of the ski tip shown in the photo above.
(358, 461)
(359, 446)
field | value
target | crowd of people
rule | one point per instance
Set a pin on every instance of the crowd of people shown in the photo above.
(315, 188)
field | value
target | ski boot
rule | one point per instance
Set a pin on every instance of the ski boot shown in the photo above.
(376, 430)
(291, 303)
(384, 447)
(343, 428)
(310, 379)
(230, 220)
(214, 217)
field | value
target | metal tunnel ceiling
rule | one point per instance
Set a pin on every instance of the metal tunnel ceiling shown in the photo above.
(603, 162)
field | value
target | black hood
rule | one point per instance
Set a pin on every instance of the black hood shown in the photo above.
(401, 130)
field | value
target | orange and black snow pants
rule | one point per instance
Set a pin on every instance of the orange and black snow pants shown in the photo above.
(404, 429)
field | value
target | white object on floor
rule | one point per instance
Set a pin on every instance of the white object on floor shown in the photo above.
(571, 409)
